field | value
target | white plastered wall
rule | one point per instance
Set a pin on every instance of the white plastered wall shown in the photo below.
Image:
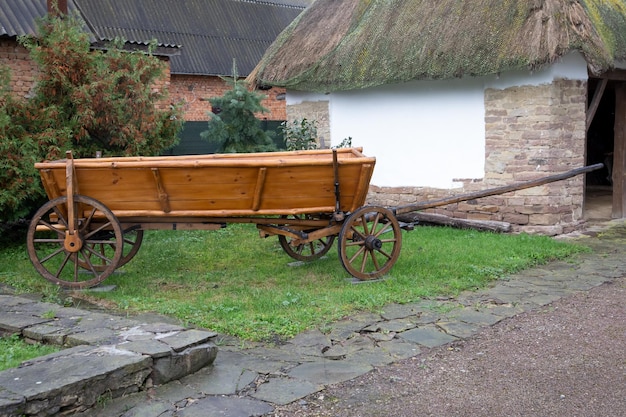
(426, 133)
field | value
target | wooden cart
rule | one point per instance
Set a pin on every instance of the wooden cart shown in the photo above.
(99, 208)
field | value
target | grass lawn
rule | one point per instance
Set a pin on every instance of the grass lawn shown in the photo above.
(235, 283)
(14, 351)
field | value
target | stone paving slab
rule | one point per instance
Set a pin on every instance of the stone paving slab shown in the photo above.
(328, 371)
(428, 336)
(224, 378)
(226, 407)
(249, 379)
(283, 391)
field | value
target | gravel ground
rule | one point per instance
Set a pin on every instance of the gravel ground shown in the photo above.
(567, 359)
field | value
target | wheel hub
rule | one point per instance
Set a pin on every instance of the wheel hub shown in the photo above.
(372, 242)
(73, 243)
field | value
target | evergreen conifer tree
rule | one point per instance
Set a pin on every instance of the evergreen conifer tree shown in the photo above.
(234, 126)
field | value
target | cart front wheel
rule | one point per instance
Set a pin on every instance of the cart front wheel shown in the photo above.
(306, 251)
(68, 257)
(370, 242)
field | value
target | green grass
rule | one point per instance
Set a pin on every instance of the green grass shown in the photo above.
(234, 283)
(14, 351)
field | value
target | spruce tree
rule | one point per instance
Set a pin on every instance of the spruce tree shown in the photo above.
(234, 126)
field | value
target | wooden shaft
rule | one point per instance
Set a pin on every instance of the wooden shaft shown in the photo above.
(69, 181)
(336, 175)
(495, 191)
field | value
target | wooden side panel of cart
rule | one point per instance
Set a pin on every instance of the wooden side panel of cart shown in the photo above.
(210, 186)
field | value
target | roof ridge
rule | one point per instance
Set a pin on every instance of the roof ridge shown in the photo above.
(196, 35)
(276, 3)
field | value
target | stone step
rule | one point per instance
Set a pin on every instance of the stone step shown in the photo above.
(106, 356)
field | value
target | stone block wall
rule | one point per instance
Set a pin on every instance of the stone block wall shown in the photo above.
(317, 111)
(531, 132)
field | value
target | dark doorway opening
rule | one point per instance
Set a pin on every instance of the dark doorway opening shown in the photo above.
(600, 149)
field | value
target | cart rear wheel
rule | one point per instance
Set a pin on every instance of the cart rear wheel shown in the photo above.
(370, 242)
(68, 259)
(132, 242)
(306, 251)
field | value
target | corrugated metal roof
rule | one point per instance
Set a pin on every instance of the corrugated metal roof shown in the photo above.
(211, 33)
(18, 17)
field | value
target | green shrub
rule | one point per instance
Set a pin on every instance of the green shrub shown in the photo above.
(345, 143)
(300, 134)
(20, 188)
(83, 100)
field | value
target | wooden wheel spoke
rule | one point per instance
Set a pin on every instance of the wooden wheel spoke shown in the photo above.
(385, 229)
(100, 242)
(357, 254)
(91, 250)
(364, 259)
(299, 249)
(93, 232)
(51, 228)
(63, 264)
(375, 224)
(76, 270)
(52, 255)
(62, 219)
(375, 260)
(87, 222)
(87, 260)
(362, 235)
(385, 254)
(363, 223)
(355, 243)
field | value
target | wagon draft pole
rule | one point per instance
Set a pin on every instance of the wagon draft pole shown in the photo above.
(98, 208)
(410, 213)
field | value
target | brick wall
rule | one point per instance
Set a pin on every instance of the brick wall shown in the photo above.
(193, 91)
(531, 132)
(23, 69)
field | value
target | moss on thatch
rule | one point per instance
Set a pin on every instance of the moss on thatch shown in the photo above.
(349, 44)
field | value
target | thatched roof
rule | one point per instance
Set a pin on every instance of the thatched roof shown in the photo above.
(349, 44)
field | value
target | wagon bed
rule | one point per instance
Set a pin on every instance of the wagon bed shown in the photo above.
(219, 185)
(99, 208)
